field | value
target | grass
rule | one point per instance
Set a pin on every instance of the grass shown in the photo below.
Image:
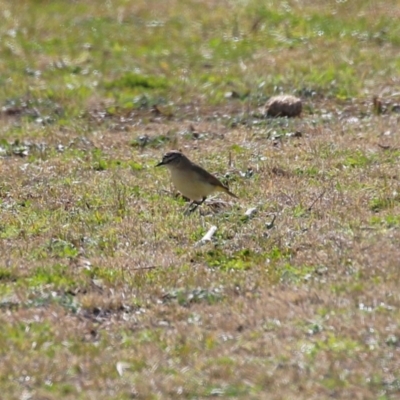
(104, 290)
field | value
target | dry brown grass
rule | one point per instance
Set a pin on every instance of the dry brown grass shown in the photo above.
(103, 291)
(311, 314)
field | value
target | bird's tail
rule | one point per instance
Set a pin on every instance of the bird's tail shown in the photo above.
(227, 191)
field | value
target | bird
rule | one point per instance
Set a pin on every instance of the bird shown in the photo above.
(193, 181)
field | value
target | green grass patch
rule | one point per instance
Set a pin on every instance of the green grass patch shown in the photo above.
(132, 81)
(58, 276)
(383, 203)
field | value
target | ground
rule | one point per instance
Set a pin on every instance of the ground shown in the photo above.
(106, 291)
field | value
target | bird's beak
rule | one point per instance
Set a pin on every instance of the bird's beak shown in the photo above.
(159, 164)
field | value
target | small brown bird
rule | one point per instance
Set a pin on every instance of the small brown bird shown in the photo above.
(190, 179)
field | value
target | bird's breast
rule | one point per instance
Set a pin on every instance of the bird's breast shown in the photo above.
(190, 185)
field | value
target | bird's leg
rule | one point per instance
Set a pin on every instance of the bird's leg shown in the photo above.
(193, 205)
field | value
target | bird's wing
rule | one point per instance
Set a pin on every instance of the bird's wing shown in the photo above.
(209, 178)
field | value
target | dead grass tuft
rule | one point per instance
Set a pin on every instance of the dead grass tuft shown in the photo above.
(283, 106)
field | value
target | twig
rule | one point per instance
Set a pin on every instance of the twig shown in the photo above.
(250, 212)
(385, 147)
(270, 225)
(207, 237)
(318, 198)
(140, 268)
